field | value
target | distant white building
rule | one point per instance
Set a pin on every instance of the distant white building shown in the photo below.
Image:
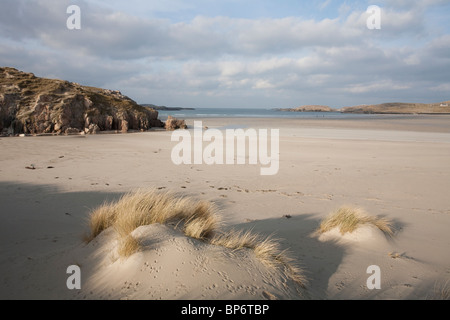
(444, 104)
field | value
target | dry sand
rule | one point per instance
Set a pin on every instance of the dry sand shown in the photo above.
(396, 167)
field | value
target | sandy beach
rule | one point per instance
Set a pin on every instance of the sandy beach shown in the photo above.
(396, 167)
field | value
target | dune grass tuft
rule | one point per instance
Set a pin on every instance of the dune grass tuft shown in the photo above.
(267, 250)
(441, 291)
(348, 219)
(128, 245)
(198, 219)
(141, 208)
(100, 219)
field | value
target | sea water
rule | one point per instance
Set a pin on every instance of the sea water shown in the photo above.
(253, 113)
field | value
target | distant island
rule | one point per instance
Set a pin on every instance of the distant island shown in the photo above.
(309, 108)
(383, 108)
(159, 108)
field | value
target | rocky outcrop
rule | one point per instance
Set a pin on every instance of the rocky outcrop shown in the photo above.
(174, 123)
(33, 105)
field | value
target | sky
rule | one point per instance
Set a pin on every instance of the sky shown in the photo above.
(237, 54)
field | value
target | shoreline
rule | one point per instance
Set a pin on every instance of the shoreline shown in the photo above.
(417, 123)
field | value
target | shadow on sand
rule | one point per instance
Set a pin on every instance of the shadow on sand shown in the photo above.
(319, 260)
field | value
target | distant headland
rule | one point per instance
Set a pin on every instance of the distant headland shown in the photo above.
(309, 108)
(383, 108)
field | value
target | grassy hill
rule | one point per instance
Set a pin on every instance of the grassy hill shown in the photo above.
(401, 108)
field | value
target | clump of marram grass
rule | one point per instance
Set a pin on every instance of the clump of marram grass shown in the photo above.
(348, 219)
(198, 219)
(100, 219)
(128, 245)
(441, 291)
(267, 250)
(149, 207)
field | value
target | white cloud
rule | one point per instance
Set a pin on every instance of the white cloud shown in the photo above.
(263, 84)
(324, 4)
(443, 87)
(376, 87)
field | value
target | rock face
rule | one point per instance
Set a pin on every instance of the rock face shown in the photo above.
(33, 105)
(173, 123)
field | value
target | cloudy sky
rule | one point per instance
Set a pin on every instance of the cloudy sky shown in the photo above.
(229, 53)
